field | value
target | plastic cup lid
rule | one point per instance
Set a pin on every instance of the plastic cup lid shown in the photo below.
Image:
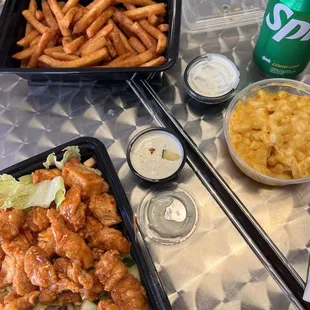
(168, 215)
(211, 76)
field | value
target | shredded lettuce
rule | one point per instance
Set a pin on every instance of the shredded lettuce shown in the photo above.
(26, 179)
(88, 305)
(22, 195)
(40, 307)
(71, 152)
(92, 170)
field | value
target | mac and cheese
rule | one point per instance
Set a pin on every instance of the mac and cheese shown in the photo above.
(271, 133)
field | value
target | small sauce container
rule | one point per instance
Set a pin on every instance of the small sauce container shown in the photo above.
(211, 78)
(156, 155)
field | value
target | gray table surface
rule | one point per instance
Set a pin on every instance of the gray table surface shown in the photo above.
(282, 212)
(215, 268)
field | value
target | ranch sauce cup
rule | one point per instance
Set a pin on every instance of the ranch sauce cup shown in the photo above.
(156, 155)
(211, 78)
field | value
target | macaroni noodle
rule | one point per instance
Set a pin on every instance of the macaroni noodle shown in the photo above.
(271, 133)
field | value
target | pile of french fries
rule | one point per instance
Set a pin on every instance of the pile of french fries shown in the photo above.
(105, 33)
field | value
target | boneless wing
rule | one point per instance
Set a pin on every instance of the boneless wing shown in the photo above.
(90, 182)
(23, 303)
(110, 270)
(104, 209)
(39, 269)
(130, 294)
(69, 243)
(73, 271)
(21, 283)
(17, 246)
(37, 219)
(7, 271)
(45, 175)
(46, 242)
(10, 223)
(72, 209)
(107, 305)
(110, 239)
(92, 226)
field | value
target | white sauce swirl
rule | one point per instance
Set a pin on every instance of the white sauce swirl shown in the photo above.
(213, 76)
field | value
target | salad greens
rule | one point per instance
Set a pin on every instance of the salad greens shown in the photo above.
(71, 152)
(23, 194)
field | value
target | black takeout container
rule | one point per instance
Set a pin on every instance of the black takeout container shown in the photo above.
(91, 147)
(12, 29)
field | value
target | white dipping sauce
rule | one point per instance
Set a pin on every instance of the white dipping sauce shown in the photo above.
(146, 155)
(213, 76)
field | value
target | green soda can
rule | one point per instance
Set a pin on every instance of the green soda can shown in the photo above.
(283, 46)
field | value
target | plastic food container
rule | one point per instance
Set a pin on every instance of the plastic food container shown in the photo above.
(12, 29)
(156, 155)
(91, 147)
(272, 86)
(202, 15)
(211, 78)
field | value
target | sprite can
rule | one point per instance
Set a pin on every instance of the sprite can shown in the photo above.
(283, 46)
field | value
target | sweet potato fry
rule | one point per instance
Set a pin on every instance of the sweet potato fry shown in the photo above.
(71, 47)
(50, 51)
(129, 6)
(51, 43)
(141, 33)
(135, 61)
(82, 11)
(128, 33)
(118, 43)
(137, 45)
(71, 13)
(111, 48)
(163, 27)
(25, 54)
(153, 19)
(45, 39)
(35, 41)
(98, 44)
(60, 17)
(70, 4)
(123, 38)
(25, 41)
(64, 56)
(39, 15)
(155, 62)
(32, 8)
(137, 2)
(88, 60)
(91, 15)
(120, 18)
(99, 22)
(34, 22)
(157, 34)
(118, 60)
(92, 4)
(145, 11)
(66, 40)
(102, 33)
(24, 63)
(49, 17)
